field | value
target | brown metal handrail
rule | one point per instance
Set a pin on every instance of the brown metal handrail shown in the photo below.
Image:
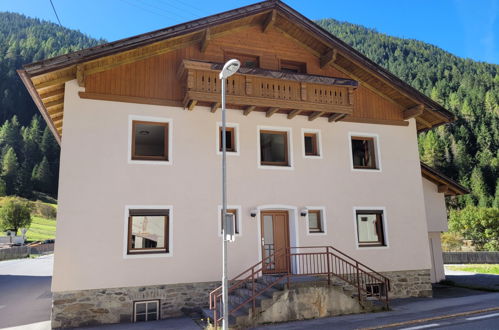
(325, 261)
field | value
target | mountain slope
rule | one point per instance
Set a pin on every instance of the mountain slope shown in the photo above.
(467, 150)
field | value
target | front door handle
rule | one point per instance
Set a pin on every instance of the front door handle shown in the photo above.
(263, 241)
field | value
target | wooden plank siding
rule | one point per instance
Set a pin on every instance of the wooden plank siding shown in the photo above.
(156, 77)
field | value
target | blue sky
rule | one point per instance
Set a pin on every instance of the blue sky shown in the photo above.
(467, 28)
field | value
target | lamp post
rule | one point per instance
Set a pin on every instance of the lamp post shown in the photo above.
(228, 70)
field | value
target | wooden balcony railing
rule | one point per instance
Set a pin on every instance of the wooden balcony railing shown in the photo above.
(257, 88)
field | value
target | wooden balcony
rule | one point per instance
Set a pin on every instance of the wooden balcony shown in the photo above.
(269, 91)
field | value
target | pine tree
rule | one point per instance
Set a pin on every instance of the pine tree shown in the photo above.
(43, 176)
(496, 198)
(478, 187)
(9, 168)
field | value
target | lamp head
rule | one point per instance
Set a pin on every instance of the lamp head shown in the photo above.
(230, 67)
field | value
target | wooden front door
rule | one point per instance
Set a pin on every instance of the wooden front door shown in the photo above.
(275, 239)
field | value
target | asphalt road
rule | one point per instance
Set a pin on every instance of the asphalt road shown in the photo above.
(25, 296)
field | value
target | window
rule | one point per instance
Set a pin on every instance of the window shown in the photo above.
(315, 221)
(363, 153)
(148, 231)
(247, 61)
(293, 67)
(370, 231)
(144, 311)
(236, 220)
(149, 140)
(274, 148)
(230, 133)
(311, 143)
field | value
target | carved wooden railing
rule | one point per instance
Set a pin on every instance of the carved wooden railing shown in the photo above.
(318, 262)
(267, 89)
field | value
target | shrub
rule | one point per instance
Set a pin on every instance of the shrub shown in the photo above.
(15, 213)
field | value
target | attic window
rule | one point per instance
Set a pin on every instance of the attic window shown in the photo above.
(293, 67)
(247, 61)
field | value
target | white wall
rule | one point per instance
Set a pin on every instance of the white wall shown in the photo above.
(436, 212)
(437, 269)
(97, 182)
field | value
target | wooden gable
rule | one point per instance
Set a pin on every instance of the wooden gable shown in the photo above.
(144, 69)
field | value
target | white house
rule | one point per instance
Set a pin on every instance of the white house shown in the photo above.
(322, 153)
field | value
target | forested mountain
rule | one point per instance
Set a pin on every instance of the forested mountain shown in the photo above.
(466, 150)
(29, 156)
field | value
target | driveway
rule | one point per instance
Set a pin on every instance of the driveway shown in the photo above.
(25, 297)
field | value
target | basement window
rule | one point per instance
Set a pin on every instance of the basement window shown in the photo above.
(148, 231)
(370, 228)
(144, 311)
(149, 140)
(364, 153)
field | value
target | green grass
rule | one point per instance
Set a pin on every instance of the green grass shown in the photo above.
(41, 229)
(477, 268)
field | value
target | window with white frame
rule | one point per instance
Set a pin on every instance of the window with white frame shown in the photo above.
(274, 148)
(364, 155)
(236, 220)
(315, 221)
(231, 138)
(144, 311)
(149, 140)
(370, 228)
(148, 231)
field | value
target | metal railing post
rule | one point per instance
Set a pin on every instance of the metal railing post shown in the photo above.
(358, 279)
(328, 267)
(253, 288)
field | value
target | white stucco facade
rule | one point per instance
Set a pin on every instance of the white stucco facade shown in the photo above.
(98, 182)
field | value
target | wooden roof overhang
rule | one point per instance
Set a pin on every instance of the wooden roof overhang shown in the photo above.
(45, 79)
(444, 184)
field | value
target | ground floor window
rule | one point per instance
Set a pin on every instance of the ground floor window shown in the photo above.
(315, 221)
(370, 228)
(146, 311)
(148, 231)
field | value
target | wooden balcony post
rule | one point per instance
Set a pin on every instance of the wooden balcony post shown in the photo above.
(248, 85)
(190, 80)
(350, 96)
(303, 91)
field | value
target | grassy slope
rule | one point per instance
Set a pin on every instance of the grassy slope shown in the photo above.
(41, 229)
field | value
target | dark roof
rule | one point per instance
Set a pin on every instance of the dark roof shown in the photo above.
(203, 23)
(441, 179)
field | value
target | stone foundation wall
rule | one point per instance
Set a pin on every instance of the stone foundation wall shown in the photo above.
(409, 283)
(93, 307)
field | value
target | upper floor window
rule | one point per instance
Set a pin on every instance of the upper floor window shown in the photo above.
(293, 67)
(230, 139)
(274, 148)
(236, 220)
(311, 143)
(148, 231)
(247, 61)
(370, 228)
(364, 152)
(149, 140)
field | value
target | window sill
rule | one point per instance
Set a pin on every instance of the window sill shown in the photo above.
(150, 162)
(276, 167)
(366, 170)
(316, 233)
(148, 255)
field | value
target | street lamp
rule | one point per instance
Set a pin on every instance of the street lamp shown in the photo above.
(228, 70)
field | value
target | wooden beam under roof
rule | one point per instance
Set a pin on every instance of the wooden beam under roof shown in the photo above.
(335, 117)
(271, 111)
(214, 107)
(328, 58)
(49, 105)
(205, 40)
(413, 112)
(80, 75)
(294, 113)
(248, 110)
(50, 83)
(315, 115)
(269, 21)
(56, 92)
(424, 122)
(443, 188)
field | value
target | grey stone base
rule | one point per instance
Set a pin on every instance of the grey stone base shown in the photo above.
(409, 283)
(93, 307)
